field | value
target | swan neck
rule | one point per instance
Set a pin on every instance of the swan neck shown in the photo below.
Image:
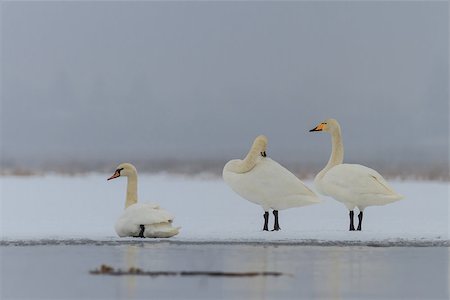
(337, 149)
(131, 190)
(337, 152)
(248, 162)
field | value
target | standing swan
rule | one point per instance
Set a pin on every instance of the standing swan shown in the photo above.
(141, 219)
(263, 181)
(353, 185)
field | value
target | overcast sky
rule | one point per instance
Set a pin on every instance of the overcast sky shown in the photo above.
(192, 80)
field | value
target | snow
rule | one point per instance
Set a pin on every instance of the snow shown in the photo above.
(87, 206)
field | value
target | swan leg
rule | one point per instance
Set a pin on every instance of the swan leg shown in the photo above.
(266, 221)
(352, 227)
(276, 225)
(141, 233)
(360, 217)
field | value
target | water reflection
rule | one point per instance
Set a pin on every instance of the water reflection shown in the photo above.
(130, 258)
(330, 272)
(333, 277)
(57, 272)
(318, 272)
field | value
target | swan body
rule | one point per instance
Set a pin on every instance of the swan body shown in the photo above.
(141, 219)
(157, 221)
(351, 184)
(356, 186)
(269, 185)
(265, 182)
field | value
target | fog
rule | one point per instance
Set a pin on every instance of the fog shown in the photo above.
(108, 82)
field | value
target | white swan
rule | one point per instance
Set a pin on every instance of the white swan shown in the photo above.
(141, 219)
(353, 185)
(263, 181)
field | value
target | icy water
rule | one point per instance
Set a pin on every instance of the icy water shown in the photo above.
(310, 272)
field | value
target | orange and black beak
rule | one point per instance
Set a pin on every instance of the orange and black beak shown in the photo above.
(319, 127)
(116, 174)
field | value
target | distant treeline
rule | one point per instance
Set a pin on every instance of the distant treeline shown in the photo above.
(214, 168)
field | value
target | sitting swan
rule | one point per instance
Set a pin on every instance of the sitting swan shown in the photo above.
(263, 181)
(353, 185)
(141, 219)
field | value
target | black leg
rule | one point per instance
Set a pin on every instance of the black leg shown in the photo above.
(276, 225)
(352, 227)
(360, 216)
(141, 233)
(266, 221)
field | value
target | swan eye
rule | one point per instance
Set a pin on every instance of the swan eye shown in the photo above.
(324, 123)
(118, 170)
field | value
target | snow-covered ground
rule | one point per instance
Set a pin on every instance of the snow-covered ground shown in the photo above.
(86, 207)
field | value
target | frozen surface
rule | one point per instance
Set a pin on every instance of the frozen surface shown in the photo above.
(86, 207)
(62, 272)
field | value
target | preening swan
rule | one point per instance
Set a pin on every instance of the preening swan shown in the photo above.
(353, 185)
(141, 219)
(263, 181)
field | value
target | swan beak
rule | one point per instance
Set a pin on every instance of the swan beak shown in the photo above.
(115, 175)
(319, 127)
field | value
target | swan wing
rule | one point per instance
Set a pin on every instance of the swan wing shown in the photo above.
(138, 214)
(270, 185)
(357, 181)
(280, 182)
(161, 230)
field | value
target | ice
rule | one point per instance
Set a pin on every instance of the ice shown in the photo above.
(87, 206)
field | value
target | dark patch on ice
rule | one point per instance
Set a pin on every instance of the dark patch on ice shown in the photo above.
(306, 242)
(108, 270)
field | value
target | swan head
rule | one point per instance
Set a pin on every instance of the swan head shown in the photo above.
(260, 145)
(124, 169)
(329, 125)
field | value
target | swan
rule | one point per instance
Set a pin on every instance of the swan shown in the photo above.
(353, 185)
(141, 219)
(263, 181)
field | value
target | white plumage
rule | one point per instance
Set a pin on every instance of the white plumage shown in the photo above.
(353, 185)
(265, 182)
(141, 219)
(356, 186)
(157, 221)
(269, 185)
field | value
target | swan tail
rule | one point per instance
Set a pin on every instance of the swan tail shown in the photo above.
(296, 201)
(396, 197)
(314, 200)
(382, 200)
(161, 230)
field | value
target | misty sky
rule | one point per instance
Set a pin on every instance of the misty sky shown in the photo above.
(199, 80)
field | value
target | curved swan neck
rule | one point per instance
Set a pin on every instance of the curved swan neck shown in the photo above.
(248, 162)
(337, 151)
(131, 190)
